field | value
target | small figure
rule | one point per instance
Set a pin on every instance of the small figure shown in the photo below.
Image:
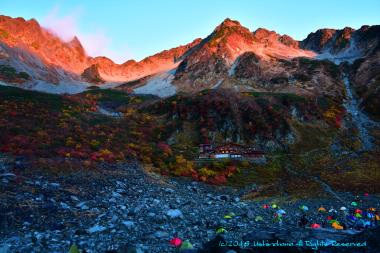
(303, 221)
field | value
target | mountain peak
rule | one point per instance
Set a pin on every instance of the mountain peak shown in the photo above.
(229, 23)
(33, 22)
(262, 33)
(76, 44)
(91, 74)
(227, 29)
(75, 41)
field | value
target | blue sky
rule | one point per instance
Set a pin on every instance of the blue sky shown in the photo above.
(135, 29)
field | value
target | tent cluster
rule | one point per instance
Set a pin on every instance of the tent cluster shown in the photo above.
(278, 214)
(221, 230)
(354, 218)
(341, 218)
(351, 217)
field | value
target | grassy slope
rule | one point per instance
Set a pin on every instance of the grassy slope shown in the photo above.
(312, 156)
(51, 101)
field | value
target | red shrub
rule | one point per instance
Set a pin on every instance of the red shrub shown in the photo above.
(218, 180)
(164, 148)
(230, 170)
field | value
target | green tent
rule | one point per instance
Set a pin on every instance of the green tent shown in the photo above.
(334, 221)
(259, 218)
(74, 248)
(186, 245)
(221, 230)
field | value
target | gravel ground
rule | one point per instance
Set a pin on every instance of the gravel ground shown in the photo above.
(121, 208)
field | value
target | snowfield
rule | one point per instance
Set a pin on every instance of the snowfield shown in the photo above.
(361, 120)
(68, 87)
(349, 55)
(231, 71)
(159, 85)
(4, 84)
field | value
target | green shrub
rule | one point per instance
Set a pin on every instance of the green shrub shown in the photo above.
(23, 75)
(7, 72)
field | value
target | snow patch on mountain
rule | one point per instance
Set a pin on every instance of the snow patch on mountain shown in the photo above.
(109, 85)
(108, 112)
(348, 55)
(64, 87)
(159, 85)
(217, 84)
(231, 71)
(4, 84)
(361, 120)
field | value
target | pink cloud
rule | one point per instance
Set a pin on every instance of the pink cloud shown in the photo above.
(96, 42)
(64, 26)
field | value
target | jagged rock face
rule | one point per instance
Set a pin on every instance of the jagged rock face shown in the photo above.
(368, 39)
(29, 48)
(24, 61)
(316, 77)
(289, 41)
(271, 38)
(316, 41)
(46, 57)
(299, 75)
(230, 57)
(349, 42)
(365, 75)
(132, 70)
(211, 60)
(91, 74)
(30, 36)
(248, 66)
(365, 72)
(265, 36)
(343, 38)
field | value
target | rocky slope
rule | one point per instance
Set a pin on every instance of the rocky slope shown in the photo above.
(359, 50)
(28, 47)
(234, 57)
(29, 38)
(343, 45)
(92, 75)
(122, 208)
(131, 69)
(365, 75)
(215, 59)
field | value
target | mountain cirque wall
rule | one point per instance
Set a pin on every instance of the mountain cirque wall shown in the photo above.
(26, 46)
(231, 57)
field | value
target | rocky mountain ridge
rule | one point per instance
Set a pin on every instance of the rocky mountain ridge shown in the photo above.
(231, 57)
(26, 46)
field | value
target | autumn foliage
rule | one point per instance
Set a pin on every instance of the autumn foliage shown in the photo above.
(70, 127)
